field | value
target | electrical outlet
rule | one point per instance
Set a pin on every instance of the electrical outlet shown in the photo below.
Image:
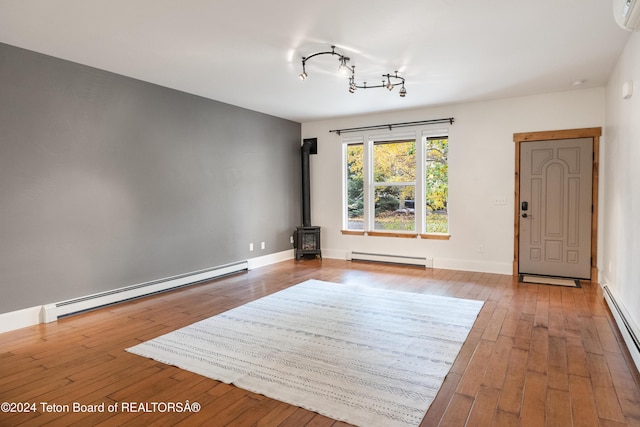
(262, 245)
(250, 246)
(481, 249)
(291, 239)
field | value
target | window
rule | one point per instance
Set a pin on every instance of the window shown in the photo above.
(384, 176)
(394, 186)
(436, 174)
(355, 186)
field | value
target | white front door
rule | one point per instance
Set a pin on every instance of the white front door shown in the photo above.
(555, 207)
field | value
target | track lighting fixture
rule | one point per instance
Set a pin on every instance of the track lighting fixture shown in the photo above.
(389, 85)
(392, 80)
(343, 68)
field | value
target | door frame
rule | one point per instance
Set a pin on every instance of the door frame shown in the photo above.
(523, 138)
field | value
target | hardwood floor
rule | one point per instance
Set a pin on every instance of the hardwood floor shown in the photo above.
(537, 356)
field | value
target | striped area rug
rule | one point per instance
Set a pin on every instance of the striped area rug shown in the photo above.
(365, 356)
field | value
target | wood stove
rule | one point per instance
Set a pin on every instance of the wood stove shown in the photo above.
(307, 236)
(307, 241)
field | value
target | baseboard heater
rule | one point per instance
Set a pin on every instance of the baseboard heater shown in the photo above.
(627, 328)
(52, 312)
(391, 259)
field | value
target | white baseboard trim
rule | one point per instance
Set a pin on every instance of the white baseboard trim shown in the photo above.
(51, 312)
(443, 263)
(19, 319)
(334, 253)
(628, 328)
(265, 260)
(472, 265)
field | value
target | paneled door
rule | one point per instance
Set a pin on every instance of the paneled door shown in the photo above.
(556, 207)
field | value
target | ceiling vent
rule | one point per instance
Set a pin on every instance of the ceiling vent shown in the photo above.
(627, 14)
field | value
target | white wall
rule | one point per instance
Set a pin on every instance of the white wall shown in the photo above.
(481, 169)
(621, 208)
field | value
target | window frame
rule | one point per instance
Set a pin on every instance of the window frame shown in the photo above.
(368, 141)
(374, 184)
(430, 134)
(346, 142)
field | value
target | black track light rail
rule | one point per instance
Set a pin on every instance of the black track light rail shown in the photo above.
(390, 126)
(332, 52)
(399, 81)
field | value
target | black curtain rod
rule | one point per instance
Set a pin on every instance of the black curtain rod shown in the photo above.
(394, 125)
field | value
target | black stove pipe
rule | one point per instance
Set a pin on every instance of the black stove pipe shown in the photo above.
(309, 146)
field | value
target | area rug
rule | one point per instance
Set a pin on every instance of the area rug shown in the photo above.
(357, 354)
(546, 280)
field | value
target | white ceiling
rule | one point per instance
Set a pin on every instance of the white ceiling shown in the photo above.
(248, 53)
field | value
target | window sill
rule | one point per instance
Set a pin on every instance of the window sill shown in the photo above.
(352, 233)
(436, 236)
(391, 234)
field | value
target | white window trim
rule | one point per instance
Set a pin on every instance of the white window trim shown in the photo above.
(368, 140)
(426, 133)
(352, 140)
(390, 137)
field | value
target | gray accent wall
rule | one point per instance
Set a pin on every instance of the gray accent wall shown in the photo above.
(107, 181)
